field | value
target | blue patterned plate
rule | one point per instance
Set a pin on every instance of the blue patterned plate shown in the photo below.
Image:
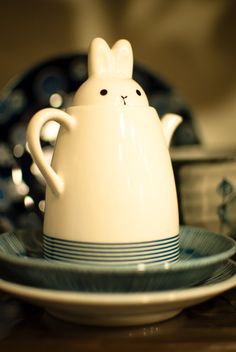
(201, 253)
(122, 309)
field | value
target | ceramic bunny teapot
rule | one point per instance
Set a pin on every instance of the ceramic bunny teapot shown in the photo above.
(110, 186)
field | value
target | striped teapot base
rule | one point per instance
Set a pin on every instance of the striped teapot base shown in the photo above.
(150, 252)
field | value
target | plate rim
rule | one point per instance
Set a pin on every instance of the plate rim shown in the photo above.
(158, 268)
(116, 299)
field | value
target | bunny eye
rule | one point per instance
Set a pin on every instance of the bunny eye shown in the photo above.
(138, 92)
(103, 92)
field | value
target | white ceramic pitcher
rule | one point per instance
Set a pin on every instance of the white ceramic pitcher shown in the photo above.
(110, 195)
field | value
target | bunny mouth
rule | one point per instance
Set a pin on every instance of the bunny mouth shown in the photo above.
(124, 99)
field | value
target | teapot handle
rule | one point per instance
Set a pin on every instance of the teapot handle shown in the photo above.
(53, 180)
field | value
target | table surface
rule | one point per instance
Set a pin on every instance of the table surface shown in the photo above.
(210, 326)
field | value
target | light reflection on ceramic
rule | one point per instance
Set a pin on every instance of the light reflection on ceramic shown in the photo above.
(52, 83)
(202, 252)
(123, 309)
(88, 204)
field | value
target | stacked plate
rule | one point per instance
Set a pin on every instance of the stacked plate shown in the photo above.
(118, 295)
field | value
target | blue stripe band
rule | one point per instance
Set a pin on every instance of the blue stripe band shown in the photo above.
(120, 253)
(109, 245)
(110, 253)
(110, 257)
(170, 258)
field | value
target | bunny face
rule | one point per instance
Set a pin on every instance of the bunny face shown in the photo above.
(110, 77)
(111, 91)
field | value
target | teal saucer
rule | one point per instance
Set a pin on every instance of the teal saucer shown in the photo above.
(201, 254)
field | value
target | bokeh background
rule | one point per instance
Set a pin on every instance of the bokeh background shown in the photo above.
(189, 45)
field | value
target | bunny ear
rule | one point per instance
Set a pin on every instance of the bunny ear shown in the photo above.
(117, 61)
(99, 58)
(123, 55)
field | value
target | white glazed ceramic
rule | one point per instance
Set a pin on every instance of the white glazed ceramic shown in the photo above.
(111, 179)
(119, 309)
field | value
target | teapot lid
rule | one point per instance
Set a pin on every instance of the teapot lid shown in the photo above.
(110, 77)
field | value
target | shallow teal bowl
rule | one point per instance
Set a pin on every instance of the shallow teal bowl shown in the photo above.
(201, 254)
